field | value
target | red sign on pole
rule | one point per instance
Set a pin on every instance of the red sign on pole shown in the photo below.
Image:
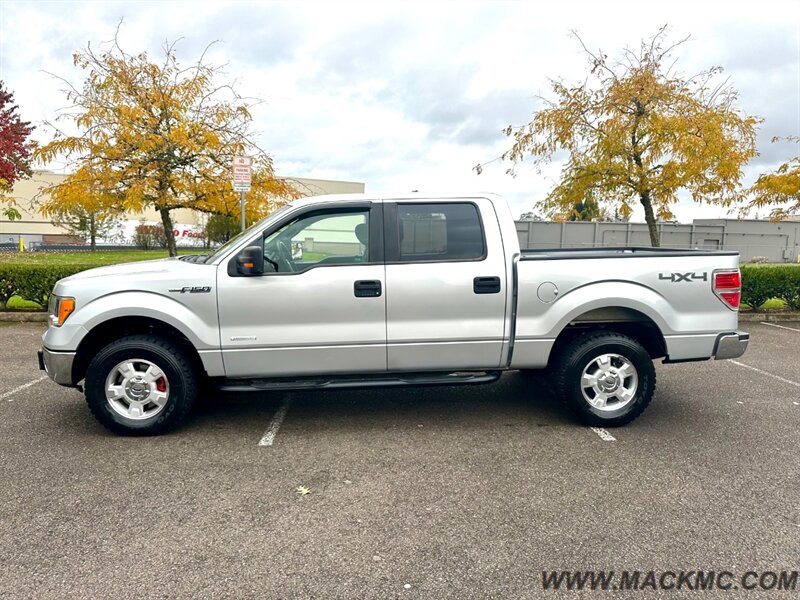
(242, 174)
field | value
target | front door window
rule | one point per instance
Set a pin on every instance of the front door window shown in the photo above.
(319, 238)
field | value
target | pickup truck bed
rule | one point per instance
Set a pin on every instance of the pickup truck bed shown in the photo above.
(660, 289)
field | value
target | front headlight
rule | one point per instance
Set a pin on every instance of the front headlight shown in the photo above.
(59, 309)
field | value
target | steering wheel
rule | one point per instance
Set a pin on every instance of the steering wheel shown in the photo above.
(284, 253)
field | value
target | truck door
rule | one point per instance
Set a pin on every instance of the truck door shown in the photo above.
(445, 285)
(323, 311)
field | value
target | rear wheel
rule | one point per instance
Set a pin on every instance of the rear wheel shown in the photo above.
(141, 385)
(607, 379)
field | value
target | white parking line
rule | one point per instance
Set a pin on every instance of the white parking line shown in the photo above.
(789, 381)
(20, 388)
(780, 326)
(272, 431)
(604, 435)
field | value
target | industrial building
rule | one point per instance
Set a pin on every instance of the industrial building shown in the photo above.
(753, 239)
(36, 229)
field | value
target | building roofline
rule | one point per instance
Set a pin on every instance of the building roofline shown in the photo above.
(300, 177)
(389, 196)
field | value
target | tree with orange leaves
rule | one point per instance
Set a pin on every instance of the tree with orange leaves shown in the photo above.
(779, 188)
(156, 135)
(635, 130)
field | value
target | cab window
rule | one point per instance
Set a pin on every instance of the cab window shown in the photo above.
(319, 238)
(440, 232)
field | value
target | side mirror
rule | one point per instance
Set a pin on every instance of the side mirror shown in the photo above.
(250, 261)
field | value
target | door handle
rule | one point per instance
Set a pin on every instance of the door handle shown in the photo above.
(367, 288)
(486, 285)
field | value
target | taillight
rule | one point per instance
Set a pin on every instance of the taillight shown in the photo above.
(728, 287)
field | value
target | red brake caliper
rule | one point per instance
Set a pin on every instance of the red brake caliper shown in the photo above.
(161, 385)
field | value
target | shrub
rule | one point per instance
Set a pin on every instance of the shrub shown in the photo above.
(148, 237)
(759, 284)
(221, 228)
(6, 289)
(33, 282)
(789, 286)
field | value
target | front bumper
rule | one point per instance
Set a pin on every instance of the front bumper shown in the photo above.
(57, 365)
(731, 345)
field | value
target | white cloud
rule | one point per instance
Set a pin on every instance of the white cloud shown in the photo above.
(405, 95)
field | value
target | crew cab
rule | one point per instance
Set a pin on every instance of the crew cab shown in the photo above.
(386, 290)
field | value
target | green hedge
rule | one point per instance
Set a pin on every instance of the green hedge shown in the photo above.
(33, 282)
(760, 283)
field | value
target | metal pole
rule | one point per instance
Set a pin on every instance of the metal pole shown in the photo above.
(241, 198)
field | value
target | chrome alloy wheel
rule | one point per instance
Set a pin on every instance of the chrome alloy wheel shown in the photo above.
(137, 389)
(609, 382)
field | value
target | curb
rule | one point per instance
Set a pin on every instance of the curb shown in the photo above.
(23, 317)
(750, 317)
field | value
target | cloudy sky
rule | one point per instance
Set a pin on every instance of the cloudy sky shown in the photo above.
(412, 95)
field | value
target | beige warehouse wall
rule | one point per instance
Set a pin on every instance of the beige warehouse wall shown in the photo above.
(32, 222)
(35, 226)
(318, 187)
(306, 186)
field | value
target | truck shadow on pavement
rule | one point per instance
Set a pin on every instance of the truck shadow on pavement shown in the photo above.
(516, 399)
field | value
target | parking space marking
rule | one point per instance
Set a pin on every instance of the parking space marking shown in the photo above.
(269, 436)
(778, 377)
(20, 388)
(780, 326)
(603, 433)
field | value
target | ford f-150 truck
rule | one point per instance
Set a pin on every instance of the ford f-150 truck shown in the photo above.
(371, 290)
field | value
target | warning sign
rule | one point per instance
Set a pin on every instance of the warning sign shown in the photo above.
(242, 173)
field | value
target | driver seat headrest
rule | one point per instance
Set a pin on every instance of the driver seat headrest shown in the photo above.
(362, 233)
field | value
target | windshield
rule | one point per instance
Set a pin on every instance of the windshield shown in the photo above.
(241, 235)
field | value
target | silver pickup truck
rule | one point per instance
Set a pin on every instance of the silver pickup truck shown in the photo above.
(363, 290)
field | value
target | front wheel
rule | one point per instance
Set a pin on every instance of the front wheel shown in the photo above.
(607, 379)
(141, 385)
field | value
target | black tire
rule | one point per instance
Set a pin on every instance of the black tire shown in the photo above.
(180, 383)
(580, 354)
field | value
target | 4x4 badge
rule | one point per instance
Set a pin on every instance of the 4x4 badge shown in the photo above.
(678, 277)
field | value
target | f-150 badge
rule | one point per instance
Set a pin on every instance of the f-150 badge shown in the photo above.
(201, 289)
(678, 277)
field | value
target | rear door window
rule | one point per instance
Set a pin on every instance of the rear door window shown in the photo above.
(450, 231)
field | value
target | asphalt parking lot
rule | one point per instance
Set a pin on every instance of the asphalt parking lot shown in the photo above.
(454, 492)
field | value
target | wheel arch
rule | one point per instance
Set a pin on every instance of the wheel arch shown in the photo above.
(106, 332)
(616, 319)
